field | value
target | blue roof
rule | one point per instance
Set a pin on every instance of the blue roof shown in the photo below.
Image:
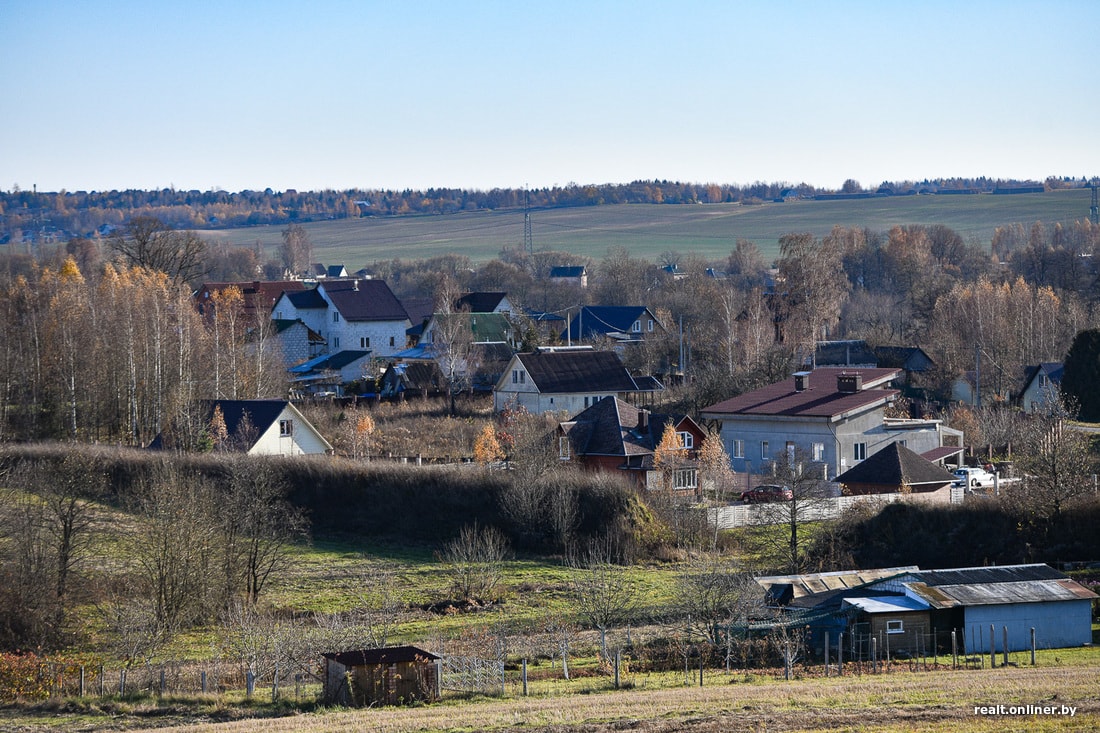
(599, 320)
(339, 360)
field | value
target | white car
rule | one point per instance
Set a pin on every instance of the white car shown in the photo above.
(974, 477)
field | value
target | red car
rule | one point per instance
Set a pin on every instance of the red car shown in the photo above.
(765, 493)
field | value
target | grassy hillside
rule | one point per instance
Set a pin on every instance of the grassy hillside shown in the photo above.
(648, 229)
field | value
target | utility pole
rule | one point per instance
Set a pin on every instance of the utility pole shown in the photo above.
(528, 245)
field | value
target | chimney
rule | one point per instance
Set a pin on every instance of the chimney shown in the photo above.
(801, 381)
(355, 285)
(643, 421)
(849, 382)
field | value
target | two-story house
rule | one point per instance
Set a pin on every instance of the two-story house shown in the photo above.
(833, 417)
(359, 315)
(624, 323)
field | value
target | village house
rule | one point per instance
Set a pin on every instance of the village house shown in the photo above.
(1042, 387)
(834, 417)
(570, 275)
(567, 379)
(256, 427)
(897, 470)
(616, 436)
(621, 323)
(361, 315)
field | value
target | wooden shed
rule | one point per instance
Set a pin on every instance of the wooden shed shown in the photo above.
(388, 676)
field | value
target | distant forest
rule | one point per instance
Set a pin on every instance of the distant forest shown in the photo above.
(34, 217)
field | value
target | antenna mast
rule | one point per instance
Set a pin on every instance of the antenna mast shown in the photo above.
(529, 245)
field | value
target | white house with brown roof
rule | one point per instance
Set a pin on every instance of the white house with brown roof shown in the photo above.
(361, 315)
(831, 416)
(567, 379)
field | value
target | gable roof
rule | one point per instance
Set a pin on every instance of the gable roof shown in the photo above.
(612, 427)
(285, 324)
(387, 655)
(480, 302)
(844, 353)
(821, 397)
(1052, 370)
(259, 295)
(909, 358)
(565, 371)
(600, 320)
(262, 414)
(306, 299)
(981, 586)
(896, 465)
(364, 300)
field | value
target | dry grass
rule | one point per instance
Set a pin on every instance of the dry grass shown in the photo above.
(942, 701)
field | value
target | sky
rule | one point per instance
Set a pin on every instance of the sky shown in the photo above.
(237, 95)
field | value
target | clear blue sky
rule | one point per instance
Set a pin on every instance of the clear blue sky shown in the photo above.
(311, 95)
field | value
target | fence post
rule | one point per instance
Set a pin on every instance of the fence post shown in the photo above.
(826, 653)
(840, 654)
(1032, 646)
(618, 665)
(1004, 650)
(874, 654)
(101, 681)
(992, 647)
(787, 661)
(122, 682)
(525, 676)
(82, 680)
(275, 684)
(202, 681)
(954, 651)
(700, 666)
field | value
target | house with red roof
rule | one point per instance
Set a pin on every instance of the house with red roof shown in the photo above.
(835, 417)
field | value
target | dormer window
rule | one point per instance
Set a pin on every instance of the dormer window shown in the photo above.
(637, 327)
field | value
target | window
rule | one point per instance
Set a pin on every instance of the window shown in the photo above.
(637, 327)
(685, 478)
(860, 452)
(765, 451)
(518, 376)
(364, 342)
(391, 340)
(336, 342)
(819, 452)
(565, 450)
(895, 626)
(286, 428)
(738, 447)
(586, 402)
(650, 326)
(687, 440)
(336, 316)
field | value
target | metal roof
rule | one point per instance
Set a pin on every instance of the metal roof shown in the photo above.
(888, 604)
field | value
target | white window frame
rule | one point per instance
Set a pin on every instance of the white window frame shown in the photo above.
(364, 342)
(737, 446)
(895, 626)
(336, 316)
(819, 452)
(765, 449)
(687, 440)
(650, 326)
(685, 478)
(859, 451)
(286, 428)
(565, 449)
(637, 327)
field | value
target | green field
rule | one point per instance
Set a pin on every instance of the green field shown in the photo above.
(647, 230)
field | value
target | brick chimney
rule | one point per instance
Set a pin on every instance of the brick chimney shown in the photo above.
(849, 382)
(643, 421)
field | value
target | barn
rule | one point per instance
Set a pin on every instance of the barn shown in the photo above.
(387, 676)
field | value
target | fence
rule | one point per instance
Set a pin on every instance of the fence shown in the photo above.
(811, 510)
(472, 674)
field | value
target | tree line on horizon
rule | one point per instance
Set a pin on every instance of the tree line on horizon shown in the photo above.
(45, 217)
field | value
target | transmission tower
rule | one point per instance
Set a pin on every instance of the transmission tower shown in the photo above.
(1094, 212)
(529, 245)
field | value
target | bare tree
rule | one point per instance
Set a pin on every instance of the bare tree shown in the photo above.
(296, 251)
(148, 242)
(474, 560)
(713, 593)
(602, 590)
(806, 481)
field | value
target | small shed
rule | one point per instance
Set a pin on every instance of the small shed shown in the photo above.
(388, 676)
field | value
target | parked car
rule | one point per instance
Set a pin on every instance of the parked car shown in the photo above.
(974, 477)
(766, 493)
